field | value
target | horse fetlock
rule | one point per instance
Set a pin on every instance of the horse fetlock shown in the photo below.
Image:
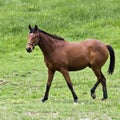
(76, 99)
(93, 95)
(104, 99)
(44, 99)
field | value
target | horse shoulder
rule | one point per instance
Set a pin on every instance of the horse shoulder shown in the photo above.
(49, 64)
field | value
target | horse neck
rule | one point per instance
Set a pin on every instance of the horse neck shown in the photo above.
(46, 44)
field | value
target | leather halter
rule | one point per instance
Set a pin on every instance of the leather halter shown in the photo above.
(33, 45)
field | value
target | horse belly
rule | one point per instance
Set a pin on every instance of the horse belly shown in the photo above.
(78, 57)
(78, 64)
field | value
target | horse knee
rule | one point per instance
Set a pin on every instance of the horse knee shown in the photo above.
(70, 86)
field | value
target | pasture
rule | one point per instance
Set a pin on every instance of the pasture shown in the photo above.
(23, 76)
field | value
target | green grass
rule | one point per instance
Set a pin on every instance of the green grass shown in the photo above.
(23, 76)
(23, 87)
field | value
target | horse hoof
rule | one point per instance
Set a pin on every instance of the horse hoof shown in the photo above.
(43, 100)
(76, 101)
(93, 95)
(103, 99)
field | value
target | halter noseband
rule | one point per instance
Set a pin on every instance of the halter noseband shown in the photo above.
(33, 45)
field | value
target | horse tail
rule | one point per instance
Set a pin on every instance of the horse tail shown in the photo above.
(112, 59)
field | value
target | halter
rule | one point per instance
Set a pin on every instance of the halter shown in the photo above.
(33, 45)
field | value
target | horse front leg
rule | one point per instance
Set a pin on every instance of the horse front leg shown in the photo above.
(69, 83)
(50, 78)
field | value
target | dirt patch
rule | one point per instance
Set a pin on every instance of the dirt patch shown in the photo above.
(3, 82)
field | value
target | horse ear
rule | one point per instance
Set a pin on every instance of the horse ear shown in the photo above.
(36, 27)
(30, 27)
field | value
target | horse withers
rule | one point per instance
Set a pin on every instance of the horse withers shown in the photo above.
(63, 56)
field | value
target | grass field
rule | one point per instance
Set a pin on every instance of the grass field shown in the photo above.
(23, 76)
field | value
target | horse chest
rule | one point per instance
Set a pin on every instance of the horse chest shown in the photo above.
(56, 63)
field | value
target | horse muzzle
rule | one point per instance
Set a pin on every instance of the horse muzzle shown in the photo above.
(29, 50)
(30, 47)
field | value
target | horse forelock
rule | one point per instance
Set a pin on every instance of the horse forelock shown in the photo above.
(32, 31)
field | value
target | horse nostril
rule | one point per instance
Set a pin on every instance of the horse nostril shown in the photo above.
(29, 50)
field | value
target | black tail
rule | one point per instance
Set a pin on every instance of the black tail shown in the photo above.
(112, 59)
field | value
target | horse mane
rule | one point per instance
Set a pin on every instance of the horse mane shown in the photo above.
(51, 35)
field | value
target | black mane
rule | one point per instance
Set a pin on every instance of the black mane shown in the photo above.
(33, 30)
(51, 35)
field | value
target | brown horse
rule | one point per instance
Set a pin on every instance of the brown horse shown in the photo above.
(63, 56)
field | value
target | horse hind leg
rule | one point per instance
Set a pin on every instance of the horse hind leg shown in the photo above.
(97, 73)
(103, 82)
(100, 79)
(93, 95)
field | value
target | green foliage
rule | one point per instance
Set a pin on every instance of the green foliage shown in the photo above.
(73, 20)
(23, 76)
